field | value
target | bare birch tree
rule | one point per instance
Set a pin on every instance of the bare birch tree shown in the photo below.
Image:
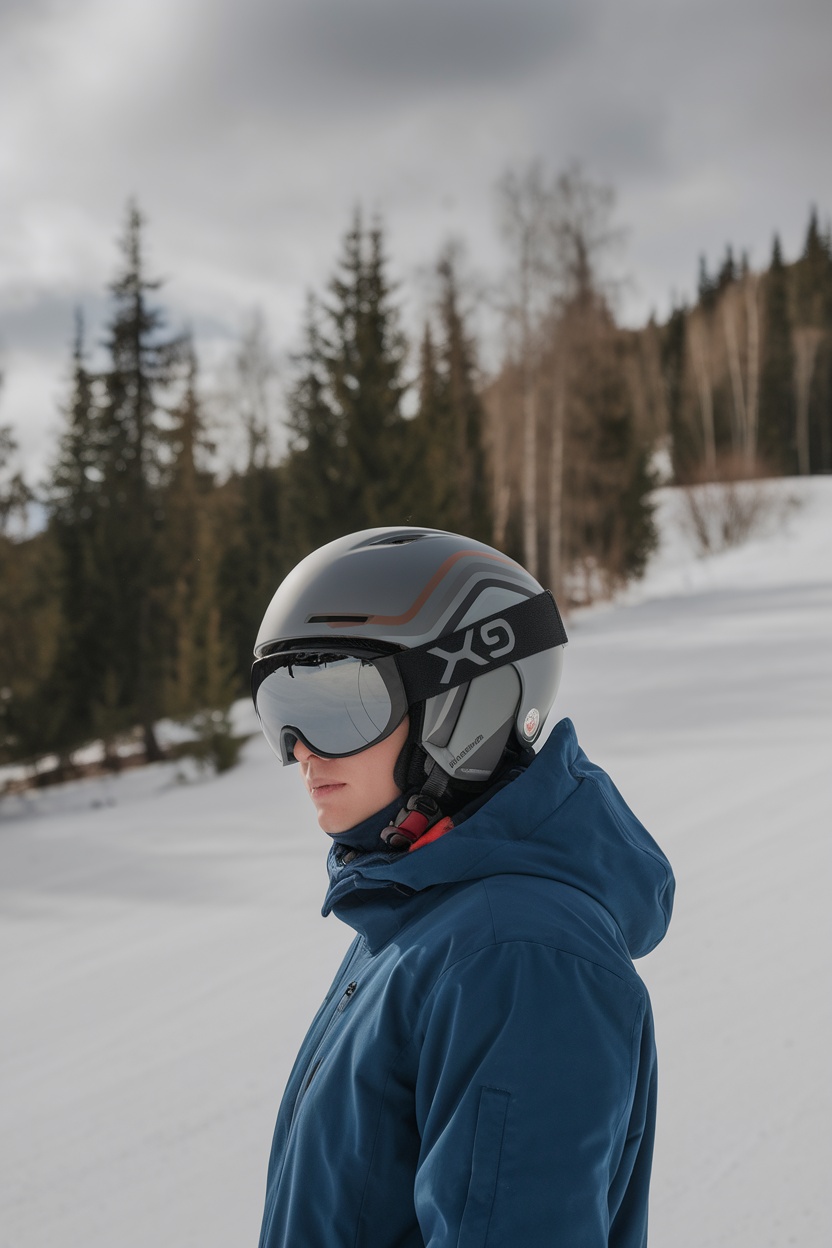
(556, 469)
(729, 310)
(700, 358)
(807, 340)
(559, 231)
(751, 288)
(525, 209)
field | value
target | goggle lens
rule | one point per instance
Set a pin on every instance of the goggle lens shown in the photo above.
(336, 704)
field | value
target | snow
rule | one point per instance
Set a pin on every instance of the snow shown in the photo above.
(163, 950)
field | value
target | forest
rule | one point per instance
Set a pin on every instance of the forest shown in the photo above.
(138, 598)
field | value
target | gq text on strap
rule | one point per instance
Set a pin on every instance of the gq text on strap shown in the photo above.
(477, 648)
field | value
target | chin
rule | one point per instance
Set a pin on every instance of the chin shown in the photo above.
(332, 826)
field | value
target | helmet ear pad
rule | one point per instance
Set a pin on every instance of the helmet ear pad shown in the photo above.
(440, 716)
(467, 729)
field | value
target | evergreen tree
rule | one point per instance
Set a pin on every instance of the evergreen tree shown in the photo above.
(813, 295)
(365, 356)
(469, 485)
(448, 471)
(430, 465)
(248, 510)
(28, 623)
(317, 466)
(107, 515)
(728, 273)
(812, 339)
(78, 523)
(347, 430)
(202, 680)
(608, 529)
(259, 547)
(15, 494)
(684, 448)
(199, 664)
(777, 420)
(706, 286)
(29, 628)
(142, 371)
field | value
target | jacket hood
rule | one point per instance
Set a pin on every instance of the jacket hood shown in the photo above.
(562, 818)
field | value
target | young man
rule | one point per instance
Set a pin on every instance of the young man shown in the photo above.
(483, 1070)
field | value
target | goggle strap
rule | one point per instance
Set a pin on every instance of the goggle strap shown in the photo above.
(481, 647)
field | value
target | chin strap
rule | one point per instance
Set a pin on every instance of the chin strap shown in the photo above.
(420, 812)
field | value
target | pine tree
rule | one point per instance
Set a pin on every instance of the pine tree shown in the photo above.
(683, 446)
(29, 628)
(78, 524)
(429, 463)
(188, 571)
(812, 342)
(106, 513)
(347, 431)
(28, 623)
(365, 356)
(777, 420)
(316, 469)
(448, 469)
(202, 676)
(469, 483)
(608, 529)
(259, 547)
(142, 371)
(728, 272)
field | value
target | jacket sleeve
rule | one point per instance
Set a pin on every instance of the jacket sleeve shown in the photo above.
(535, 1103)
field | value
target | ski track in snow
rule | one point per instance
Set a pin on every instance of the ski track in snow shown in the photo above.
(163, 950)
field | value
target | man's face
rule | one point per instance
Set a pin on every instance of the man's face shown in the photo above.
(346, 791)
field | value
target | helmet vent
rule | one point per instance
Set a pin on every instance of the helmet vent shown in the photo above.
(337, 619)
(403, 539)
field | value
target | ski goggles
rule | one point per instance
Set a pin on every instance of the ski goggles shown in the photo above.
(340, 699)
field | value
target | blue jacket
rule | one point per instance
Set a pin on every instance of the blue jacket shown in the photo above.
(483, 1070)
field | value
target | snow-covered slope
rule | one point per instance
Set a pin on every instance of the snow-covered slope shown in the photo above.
(162, 950)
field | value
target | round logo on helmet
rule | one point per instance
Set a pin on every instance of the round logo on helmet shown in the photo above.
(532, 722)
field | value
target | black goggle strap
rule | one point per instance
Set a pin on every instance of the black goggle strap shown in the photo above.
(462, 654)
(515, 633)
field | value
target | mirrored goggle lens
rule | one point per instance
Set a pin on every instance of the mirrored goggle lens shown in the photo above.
(338, 706)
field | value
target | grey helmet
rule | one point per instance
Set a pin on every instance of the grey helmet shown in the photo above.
(488, 682)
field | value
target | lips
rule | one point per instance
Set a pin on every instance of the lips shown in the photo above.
(321, 790)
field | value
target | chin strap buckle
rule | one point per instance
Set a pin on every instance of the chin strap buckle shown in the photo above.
(412, 821)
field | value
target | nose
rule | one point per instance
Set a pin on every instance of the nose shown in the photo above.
(302, 752)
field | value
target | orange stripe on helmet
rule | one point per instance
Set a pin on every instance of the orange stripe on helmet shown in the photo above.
(422, 598)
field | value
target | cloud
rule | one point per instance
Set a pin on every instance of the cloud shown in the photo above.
(45, 322)
(355, 55)
(250, 130)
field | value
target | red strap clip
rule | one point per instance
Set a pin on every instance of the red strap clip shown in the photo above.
(403, 835)
(433, 834)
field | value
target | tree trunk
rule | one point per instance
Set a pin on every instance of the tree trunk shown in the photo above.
(152, 750)
(806, 342)
(501, 497)
(739, 423)
(556, 485)
(706, 398)
(752, 316)
(529, 466)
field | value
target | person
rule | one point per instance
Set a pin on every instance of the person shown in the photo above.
(482, 1070)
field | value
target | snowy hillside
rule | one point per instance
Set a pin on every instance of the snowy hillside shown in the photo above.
(162, 948)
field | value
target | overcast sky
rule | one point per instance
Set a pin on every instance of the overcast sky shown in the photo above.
(249, 130)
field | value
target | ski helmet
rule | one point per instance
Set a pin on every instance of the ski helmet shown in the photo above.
(390, 621)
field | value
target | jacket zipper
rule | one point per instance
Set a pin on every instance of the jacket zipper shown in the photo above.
(348, 991)
(346, 997)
